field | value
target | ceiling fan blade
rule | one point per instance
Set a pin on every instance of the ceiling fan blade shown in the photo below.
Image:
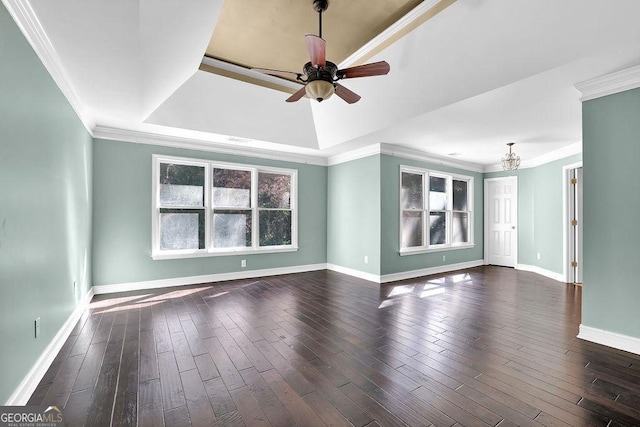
(344, 93)
(296, 96)
(373, 69)
(317, 50)
(278, 73)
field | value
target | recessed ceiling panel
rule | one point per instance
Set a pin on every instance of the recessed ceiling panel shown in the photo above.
(270, 34)
(215, 104)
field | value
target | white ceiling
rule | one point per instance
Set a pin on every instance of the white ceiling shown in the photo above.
(476, 76)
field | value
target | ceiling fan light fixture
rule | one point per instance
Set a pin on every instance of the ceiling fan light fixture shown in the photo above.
(319, 89)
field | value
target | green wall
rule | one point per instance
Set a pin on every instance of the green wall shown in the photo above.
(353, 226)
(77, 210)
(45, 208)
(391, 261)
(540, 215)
(611, 150)
(364, 217)
(122, 181)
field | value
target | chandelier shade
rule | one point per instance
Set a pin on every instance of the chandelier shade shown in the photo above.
(510, 161)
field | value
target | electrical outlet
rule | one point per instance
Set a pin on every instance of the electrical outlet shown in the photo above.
(444, 257)
(37, 327)
(243, 263)
(538, 255)
(366, 259)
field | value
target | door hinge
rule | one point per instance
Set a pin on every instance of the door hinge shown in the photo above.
(574, 264)
(574, 181)
(574, 222)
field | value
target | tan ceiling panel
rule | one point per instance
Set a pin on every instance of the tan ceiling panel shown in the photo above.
(270, 34)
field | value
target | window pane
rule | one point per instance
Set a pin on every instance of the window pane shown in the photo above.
(411, 229)
(181, 185)
(459, 195)
(231, 188)
(411, 191)
(275, 228)
(437, 193)
(460, 227)
(181, 229)
(274, 190)
(437, 228)
(231, 229)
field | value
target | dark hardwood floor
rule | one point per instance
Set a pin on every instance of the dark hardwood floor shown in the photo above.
(482, 347)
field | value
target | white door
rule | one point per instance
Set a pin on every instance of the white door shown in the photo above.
(501, 219)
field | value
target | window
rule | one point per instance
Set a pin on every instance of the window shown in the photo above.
(204, 208)
(435, 211)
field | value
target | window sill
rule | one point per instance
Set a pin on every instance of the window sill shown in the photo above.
(422, 250)
(204, 254)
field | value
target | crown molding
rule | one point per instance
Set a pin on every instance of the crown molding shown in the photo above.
(398, 151)
(149, 138)
(409, 153)
(30, 26)
(416, 17)
(609, 84)
(561, 153)
(358, 153)
(247, 75)
(143, 137)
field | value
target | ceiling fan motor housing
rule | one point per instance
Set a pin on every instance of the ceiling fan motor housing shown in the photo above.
(320, 80)
(327, 73)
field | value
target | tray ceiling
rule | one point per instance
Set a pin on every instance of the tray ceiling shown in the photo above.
(270, 34)
(467, 76)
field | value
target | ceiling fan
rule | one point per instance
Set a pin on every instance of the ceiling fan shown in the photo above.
(320, 77)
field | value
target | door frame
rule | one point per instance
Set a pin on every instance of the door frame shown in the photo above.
(567, 216)
(486, 216)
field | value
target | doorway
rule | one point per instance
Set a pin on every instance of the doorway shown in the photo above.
(573, 223)
(500, 221)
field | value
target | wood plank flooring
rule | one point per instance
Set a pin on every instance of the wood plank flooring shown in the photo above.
(487, 346)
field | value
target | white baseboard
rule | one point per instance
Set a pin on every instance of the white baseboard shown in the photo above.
(355, 273)
(405, 274)
(196, 280)
(28, 385)
(429, 270)
(541, 271)
(610, 339)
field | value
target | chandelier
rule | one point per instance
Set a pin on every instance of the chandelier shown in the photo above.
(510, 161)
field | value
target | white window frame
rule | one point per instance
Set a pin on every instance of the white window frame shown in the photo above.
(426, 247)
(209, 250)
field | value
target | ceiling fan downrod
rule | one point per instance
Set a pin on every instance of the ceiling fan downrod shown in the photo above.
(320, 6)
